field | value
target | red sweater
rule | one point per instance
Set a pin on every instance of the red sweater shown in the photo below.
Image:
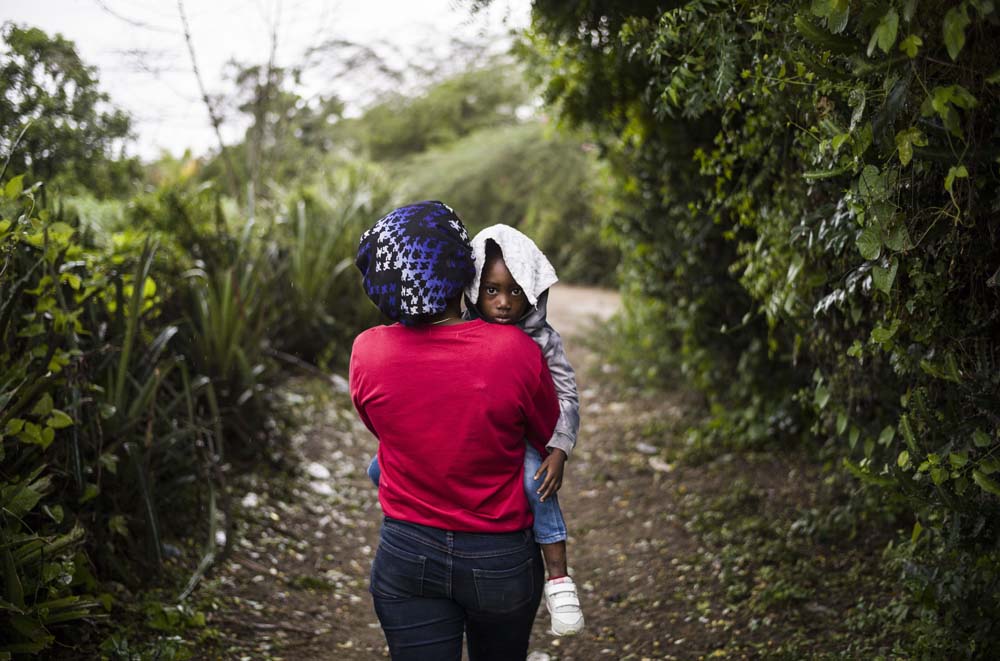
(451, 407)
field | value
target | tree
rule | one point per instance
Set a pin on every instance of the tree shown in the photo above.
(56, 125)
(809, 191)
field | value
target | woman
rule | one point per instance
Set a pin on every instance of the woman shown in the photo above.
(451, 403)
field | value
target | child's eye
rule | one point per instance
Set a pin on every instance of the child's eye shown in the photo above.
(515, 291)
(492, 291)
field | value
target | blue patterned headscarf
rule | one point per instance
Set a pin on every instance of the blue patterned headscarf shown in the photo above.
(414, 260)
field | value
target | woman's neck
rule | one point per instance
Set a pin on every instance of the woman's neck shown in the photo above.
(452, 315)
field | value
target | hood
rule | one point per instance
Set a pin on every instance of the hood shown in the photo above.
(529, 265)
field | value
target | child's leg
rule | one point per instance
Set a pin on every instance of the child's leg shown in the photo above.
(561, 598)
(374, 472)
(549, 527)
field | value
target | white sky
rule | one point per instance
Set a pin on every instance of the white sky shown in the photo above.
(158, 87)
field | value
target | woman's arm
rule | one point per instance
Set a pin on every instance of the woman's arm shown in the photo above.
(356, 383)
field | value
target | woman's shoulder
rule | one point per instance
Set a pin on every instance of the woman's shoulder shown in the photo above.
(373, 335)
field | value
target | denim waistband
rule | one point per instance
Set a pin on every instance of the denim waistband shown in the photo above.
(461, 544)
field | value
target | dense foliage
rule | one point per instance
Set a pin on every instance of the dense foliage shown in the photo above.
(136, 367)
(808, 191)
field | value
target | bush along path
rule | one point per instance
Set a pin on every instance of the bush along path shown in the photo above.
(678, 555)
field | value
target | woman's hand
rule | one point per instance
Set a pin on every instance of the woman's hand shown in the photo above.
(552, 467)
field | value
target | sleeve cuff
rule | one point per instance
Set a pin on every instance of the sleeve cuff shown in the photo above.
(561, 442)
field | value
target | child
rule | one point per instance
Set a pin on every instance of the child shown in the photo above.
(511, 287)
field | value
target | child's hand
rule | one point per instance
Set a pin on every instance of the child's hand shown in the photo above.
(552, 467)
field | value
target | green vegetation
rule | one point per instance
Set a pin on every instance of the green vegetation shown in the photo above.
(136, 368)
(806, 194)
(798, 199)
(462, 143)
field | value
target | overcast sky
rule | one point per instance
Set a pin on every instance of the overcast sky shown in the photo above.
(139, 48)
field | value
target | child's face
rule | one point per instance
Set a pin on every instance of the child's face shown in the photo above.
(501, 300)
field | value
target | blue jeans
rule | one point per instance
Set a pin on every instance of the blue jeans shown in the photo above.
(430, 586)
(549, 526)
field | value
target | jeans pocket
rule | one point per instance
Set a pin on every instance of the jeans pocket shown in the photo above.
(397, 573)
(504, 590)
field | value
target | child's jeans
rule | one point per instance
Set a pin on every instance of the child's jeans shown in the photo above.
(549, 527)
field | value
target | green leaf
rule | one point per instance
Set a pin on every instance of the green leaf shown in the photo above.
(903, 460)
(887, 29)
(840, 11)
(906, 140)
(958, 459)
(961, 97)
(885, 437)
(939, 475)
(43, 406)
(955, 22)
(948, 371)
(881, 334)
(118, 526)
(841, 423)
(865, 475)
(989, 465)
(13, 590)
(72, 279)
(852, 438)
(872, 185)
(836, 13)
(915, 535)
(59, 420)
(857, 101)
(985, 483)
(109, 462)
(911, 45)
(898, 239)
(980, 438)
(869, 243)
(907, 431)
(48, 434)
(14, 187)
(883, 278)
(955, 172)
(994, 78)
(90, 492)
(55, 512)
(822, 396)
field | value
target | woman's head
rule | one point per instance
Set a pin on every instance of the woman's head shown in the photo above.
(501, 298)
(415, 261)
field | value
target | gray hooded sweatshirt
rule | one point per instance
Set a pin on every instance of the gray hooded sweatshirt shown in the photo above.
(533, 272)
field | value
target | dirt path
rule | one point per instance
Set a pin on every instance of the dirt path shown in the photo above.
(296, 587)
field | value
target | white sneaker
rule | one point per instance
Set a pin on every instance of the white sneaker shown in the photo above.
(563, 605)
